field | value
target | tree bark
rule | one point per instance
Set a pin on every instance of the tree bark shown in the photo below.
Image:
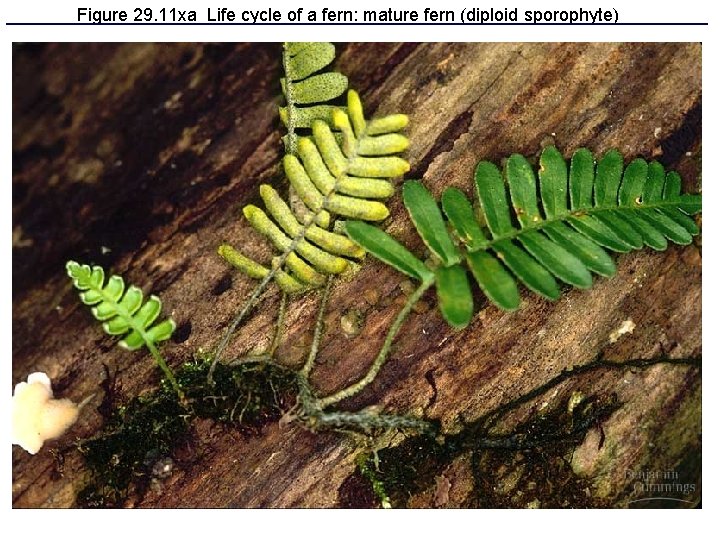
(139, 157)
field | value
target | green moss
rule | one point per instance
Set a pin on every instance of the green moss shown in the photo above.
(368, 471)
(525, 468)
(406, 469)
(531, 467)
(144, 431)
(248, 395)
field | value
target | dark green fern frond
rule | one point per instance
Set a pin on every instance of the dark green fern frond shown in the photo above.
(306, 91)
(123, 312)
(331, 179)
(584, 209)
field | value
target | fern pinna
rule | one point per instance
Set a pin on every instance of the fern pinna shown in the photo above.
(123, 312)
(306, 91)
(609, 207)
(332, 180)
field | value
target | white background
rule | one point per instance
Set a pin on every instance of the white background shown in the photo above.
(378, 524)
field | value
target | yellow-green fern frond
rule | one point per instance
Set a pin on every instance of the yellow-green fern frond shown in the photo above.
(346, 179)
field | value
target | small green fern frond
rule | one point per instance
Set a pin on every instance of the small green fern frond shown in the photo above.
(306, 91)
(584, 210)
(347, 179)
(123, 312)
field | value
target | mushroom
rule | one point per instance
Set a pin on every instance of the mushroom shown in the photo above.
(36, 416)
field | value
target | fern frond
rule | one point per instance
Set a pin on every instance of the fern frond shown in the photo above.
(306, 91)
(348, 180)
(121, 310)
(585, 210)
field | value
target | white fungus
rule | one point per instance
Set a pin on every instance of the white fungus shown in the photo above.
(36, 416)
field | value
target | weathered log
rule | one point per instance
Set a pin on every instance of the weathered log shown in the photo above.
(139, 157)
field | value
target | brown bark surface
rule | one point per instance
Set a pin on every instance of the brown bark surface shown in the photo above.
(139, 157)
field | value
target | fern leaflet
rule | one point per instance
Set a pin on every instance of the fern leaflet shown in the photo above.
(612, 208)
(123, 312)
(331, 179)
(307, 91)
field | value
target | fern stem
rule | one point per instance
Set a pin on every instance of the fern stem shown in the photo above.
(278, 325)
(267, 356)
(165, 369)
(381, 358)
(317, 336)
(367, 420)
(257, 291)
(249, 304)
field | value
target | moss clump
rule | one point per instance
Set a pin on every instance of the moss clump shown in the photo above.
(521, 469)
(138, 432)
(248, 395)
(411, 467)
(401, 471)
(144, 431)
(531, 468)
